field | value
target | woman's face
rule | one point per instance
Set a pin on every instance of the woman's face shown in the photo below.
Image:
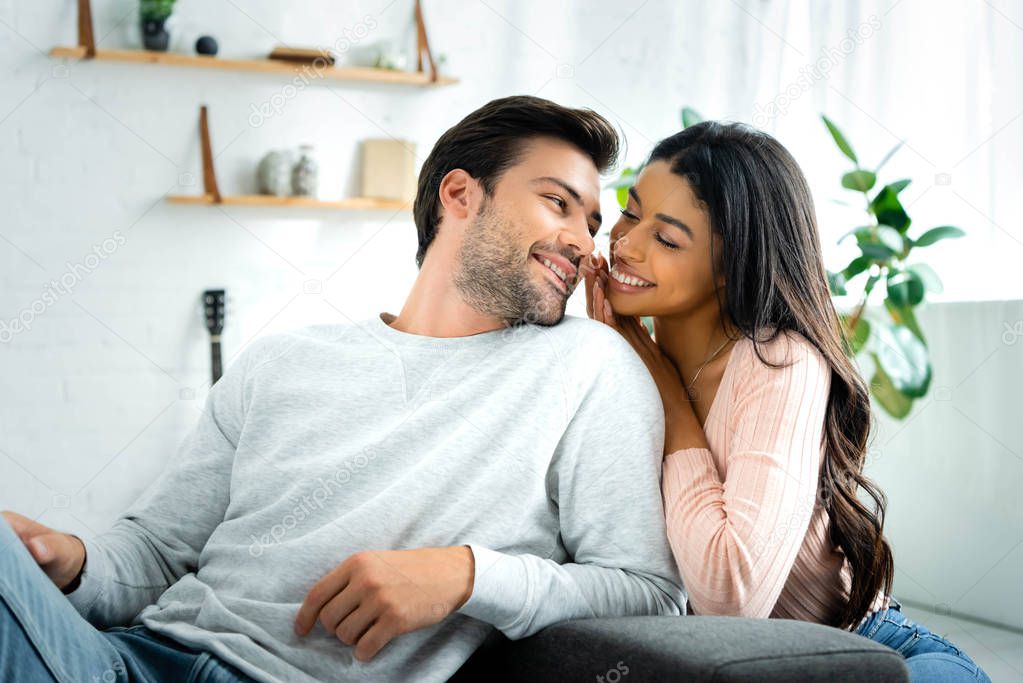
(664, 239)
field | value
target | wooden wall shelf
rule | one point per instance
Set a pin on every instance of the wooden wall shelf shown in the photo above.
(86, 49)
(265, 66)
(211, 194)
(261, 200)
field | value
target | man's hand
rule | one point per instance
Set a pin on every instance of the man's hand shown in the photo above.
(61, 556)
(375, 595)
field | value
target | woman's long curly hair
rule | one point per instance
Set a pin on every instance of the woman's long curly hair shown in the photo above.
(759, 203)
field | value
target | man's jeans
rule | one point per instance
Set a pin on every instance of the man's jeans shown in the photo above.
(43, 638)
(929, 657)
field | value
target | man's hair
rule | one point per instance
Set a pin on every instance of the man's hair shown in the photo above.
(491, 139)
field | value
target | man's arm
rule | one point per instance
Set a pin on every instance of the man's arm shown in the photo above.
(605, 479)
(159, 538)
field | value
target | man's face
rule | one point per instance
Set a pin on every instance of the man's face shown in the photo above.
(519, 260)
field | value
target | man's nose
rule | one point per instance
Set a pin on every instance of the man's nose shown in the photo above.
(578, 240)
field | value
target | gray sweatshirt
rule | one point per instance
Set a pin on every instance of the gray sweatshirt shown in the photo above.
(539, 447)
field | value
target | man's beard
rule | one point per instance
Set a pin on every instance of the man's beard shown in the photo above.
(494, 278)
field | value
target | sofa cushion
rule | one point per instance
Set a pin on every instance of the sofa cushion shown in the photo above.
(691, 648)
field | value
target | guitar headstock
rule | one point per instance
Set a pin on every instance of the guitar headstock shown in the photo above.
(214, 308)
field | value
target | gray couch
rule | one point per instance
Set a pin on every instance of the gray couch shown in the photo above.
(719, 649)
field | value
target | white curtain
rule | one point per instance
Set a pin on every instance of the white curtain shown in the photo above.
(942, 76)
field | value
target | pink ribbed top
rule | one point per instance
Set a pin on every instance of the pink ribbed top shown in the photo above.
(743, 520)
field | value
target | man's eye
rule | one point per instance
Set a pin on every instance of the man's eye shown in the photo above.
(557, 200)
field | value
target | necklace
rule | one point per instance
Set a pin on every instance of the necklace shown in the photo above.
(689, 387)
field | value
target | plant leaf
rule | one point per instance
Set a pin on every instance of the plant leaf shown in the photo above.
(888, 396)
(903, 315)
(899, 185)
(840, 140)
(888, 209)
(927, 275)
(859, 180)
(905, 288)
(855, 267)
(891, 238)
(876, 251)
(836, 283)
(861, 230)
(936, 234)
(622, 184)
(859, 336)
(690, 117)
(903, 357)
(626, 179)
(888, 156)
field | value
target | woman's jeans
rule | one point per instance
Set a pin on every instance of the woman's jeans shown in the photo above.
(43, 638)
(929, 657)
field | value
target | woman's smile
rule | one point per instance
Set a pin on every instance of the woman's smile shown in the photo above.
(623, 281)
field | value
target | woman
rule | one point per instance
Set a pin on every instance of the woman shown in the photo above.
(766, 417)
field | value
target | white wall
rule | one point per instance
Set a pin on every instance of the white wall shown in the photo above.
(953, 469)
(97, 394)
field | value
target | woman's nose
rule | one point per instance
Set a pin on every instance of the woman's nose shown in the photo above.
(627, 247)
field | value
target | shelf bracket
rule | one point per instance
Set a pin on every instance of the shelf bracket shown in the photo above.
(423, 44)
(209, 175)
(86, 37)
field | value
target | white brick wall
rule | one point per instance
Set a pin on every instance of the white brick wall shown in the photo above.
(90, 406)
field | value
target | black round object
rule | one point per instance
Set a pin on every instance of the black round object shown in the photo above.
(206, 45)
(155, 35)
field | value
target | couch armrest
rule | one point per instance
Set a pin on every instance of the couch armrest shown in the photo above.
(690, 648)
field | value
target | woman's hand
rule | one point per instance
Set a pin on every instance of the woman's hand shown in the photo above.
(682, 429)
(593, 267)
(663, 371)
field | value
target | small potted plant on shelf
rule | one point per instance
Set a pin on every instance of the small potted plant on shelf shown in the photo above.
(154, 15)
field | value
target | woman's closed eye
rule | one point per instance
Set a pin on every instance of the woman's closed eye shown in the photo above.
(657, 236)
(669, 245)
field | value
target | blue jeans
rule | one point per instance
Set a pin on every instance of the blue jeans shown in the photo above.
(43, 638)
(929, 657)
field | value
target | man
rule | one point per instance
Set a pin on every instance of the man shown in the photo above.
(369, 500)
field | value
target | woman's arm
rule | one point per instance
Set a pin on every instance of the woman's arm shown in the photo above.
(735, 534)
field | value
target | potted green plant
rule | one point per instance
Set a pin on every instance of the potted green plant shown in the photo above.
(153, 15)
(889, 255)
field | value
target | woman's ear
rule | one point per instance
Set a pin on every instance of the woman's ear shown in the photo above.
(457, 193)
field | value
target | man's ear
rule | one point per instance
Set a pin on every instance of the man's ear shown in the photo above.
(458, 194)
